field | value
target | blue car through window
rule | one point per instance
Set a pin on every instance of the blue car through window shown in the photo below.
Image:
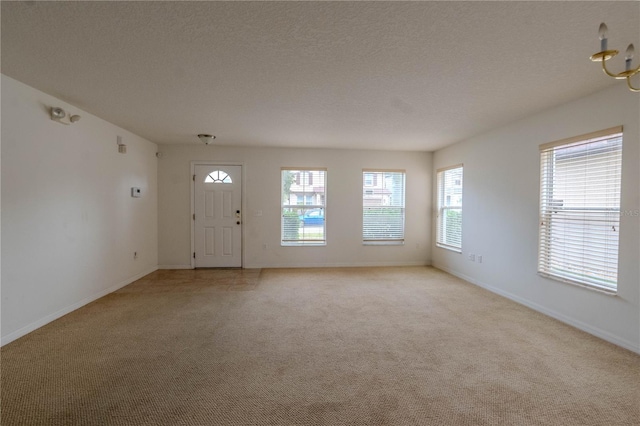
(313, 217)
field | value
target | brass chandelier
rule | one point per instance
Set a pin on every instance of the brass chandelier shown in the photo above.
(606, 54)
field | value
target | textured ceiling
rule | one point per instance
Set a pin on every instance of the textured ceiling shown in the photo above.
(377, 75)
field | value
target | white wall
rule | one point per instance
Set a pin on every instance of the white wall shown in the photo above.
(500, 216)
(69, 224)
(262, 192)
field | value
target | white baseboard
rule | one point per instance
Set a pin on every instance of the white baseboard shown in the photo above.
(339, 265)
(315, 265)
(174, 267)
(604, 335)
(54, 316)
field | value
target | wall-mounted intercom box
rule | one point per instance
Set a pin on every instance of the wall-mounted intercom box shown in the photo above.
(136, 192)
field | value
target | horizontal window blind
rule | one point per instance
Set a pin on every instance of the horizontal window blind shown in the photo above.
(580, 210)
(303, 206)
(449, 224)
(383, 203)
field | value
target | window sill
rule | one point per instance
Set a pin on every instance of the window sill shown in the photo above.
(305, 244)
(383, 243)
(450, 248)
(598, 289)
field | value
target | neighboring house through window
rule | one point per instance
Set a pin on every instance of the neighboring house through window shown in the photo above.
(383, 206)
(580, 209)
(303, 206)
(449, 223)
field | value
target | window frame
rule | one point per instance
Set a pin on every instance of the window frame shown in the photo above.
(443, 206)
(561, 265)
(302, 176)
(366, 191)
(226, 179)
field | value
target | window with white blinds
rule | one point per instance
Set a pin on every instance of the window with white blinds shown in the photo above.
(580, 209)
(449, 226)
(303, 206)
(383, 206)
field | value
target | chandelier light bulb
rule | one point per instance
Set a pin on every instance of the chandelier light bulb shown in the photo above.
(602, 35)
(628, 57)
(630, 51)
(602, 31)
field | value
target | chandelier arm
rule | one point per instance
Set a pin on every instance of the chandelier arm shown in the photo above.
(633, 89)
(607, 72)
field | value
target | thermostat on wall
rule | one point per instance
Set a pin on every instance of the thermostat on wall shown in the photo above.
(136, 192)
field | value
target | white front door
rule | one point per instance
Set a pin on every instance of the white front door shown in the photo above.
(218, 216)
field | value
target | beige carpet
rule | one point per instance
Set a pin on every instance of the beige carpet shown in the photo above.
(375, 346)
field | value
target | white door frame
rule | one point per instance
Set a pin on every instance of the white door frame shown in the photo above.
(193, 199)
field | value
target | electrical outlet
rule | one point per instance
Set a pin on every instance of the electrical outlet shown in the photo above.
(479, 258)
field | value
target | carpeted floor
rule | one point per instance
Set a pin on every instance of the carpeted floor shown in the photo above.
(356, 346)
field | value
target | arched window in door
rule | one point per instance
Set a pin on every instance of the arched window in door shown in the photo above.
(218, 177)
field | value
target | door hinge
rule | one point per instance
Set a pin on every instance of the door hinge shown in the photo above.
(194, 216)
(194, 254)
(194, 178)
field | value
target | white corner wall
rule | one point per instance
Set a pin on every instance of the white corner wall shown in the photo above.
(262, 192)
(69, 224)
(500, 216)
